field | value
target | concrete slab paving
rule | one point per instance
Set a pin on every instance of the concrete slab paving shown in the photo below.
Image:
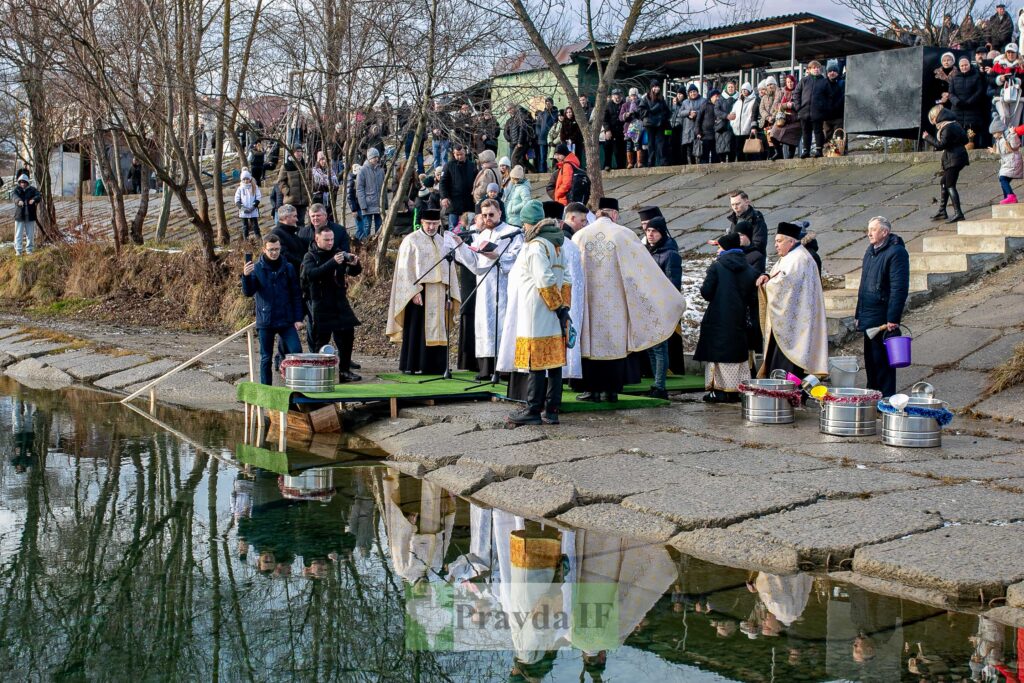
(999, 311)
(141, 373)
(523, 459)
(940, 346)
(434, 453)
(1016, 484)
(747, 461)
(378, 430)
(409, 440)
(32, 348)
(957, 469)
(6, 359)
(611, 478)
(1007, 616)
(994, 354)
(967, 562)
(67, 359)
(894, 589)
(704, 501)
(965, 503)
(527, 497)
(36, 374)
(411, 469)
(841, 482)
(194, 389)
(461, 479)
(828, 532)
(100, 365)
(668, 443)
(615, 520)
(959, 388)
(6, 332)
(1015, 595)
(730, 548)
(1006, 405)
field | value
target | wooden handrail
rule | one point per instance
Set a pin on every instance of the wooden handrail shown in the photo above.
(189, 362)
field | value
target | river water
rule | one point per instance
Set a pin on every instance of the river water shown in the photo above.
(134, 551)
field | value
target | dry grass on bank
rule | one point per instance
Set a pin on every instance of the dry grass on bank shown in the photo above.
(138, 287)
(1009, 374)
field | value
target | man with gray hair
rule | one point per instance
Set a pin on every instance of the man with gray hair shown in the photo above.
(884, 285)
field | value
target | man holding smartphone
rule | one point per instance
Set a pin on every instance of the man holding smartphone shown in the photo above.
(323, 283)
(275, 285)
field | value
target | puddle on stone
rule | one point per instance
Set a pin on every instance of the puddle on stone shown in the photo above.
(131, 553)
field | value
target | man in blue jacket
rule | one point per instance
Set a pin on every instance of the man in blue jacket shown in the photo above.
(884, 285)
(275, 285)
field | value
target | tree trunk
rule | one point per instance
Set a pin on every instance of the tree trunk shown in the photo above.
(165, 214)
(140, 215)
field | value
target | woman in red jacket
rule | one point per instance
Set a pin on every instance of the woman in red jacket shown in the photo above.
(566, 162)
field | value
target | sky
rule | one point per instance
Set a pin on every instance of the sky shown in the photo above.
(825, 8)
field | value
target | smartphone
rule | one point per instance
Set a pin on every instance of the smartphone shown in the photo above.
(988, 62)
(248, 257)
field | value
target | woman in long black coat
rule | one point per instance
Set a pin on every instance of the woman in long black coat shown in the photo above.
(729, 290)
(949, 137)
(967, 98)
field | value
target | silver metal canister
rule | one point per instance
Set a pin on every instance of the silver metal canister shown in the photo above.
(311, 371)
(849, 419)
(767, 409)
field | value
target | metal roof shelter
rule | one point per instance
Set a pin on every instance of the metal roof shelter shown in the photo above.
(797, 38)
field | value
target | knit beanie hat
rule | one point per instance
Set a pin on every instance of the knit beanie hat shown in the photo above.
(518, 173)
(833, 65)
(372, 153)
(486, 156)
(730, 240)
(532, 212)
(997, 126)
(493, 187)
(505, 161)
(246, 175)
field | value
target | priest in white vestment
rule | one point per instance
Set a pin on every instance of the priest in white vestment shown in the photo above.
(492, 269)
(629, 304)
(792, 308)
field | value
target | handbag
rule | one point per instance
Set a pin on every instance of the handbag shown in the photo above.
(970, 138)
(753, 144)
(1011, 91)
(836, 147)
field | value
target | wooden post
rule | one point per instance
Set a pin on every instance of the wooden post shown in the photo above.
(245, 438)
(282, 440)
(152, 400)
(252, 360)
(393, 401)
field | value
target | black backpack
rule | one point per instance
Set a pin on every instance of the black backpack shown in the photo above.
(579, 191)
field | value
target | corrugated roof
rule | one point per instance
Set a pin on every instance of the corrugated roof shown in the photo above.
(531, 61)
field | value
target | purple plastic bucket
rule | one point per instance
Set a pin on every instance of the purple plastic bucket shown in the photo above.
(898, 350)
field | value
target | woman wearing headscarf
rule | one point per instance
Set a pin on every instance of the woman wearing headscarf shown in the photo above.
(950, 138)
(729, 288)
(787, 128)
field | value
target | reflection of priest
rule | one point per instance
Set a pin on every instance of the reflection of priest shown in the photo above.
(629, 306)
(23, 427)
(793, 310)
(417, 313)
(785, 596)
(419, 518)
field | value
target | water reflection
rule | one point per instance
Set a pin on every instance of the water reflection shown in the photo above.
(126, 552)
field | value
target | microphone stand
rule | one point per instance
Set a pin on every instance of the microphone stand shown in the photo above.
(495, 376)
(449, 257)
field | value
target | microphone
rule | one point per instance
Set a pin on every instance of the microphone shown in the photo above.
(511, 235)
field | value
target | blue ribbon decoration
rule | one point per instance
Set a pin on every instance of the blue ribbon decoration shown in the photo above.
(941, 415)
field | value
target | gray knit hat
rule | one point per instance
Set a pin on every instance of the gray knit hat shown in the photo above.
(997, 126)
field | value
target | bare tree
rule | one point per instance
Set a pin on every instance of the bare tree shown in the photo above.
(923, 16)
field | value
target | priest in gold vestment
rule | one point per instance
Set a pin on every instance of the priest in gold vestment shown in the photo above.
(420, 314)
(793, 310)
(629, 304)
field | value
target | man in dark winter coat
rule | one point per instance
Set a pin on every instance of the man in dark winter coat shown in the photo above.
(457, 185)
(837, 95)
(1000, 28)
(274, 282)
(293, 247)
(813, 96)
(295, 181)
(26, 203)
(884, 285)
(729, 288)
(754, 245)
(518, 134)
(614, 142)
(317, 217)
(656, 115)
(546, 117)
(323, 283)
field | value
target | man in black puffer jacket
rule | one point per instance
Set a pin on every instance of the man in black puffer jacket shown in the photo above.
(813, 96)
(754, 244)
(457, 185)
(884, 285)
(323, 282)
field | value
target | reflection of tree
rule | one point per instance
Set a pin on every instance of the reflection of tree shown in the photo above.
(121, 565)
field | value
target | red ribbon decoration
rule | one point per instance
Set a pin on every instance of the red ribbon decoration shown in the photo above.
(793, 396)
(870, 397)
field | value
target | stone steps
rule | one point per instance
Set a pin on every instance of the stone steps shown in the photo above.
(944, 262)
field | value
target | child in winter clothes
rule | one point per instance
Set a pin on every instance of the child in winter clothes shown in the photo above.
(247, 199)
(1006, 144)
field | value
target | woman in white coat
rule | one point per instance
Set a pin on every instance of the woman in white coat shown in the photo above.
(745, 110)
